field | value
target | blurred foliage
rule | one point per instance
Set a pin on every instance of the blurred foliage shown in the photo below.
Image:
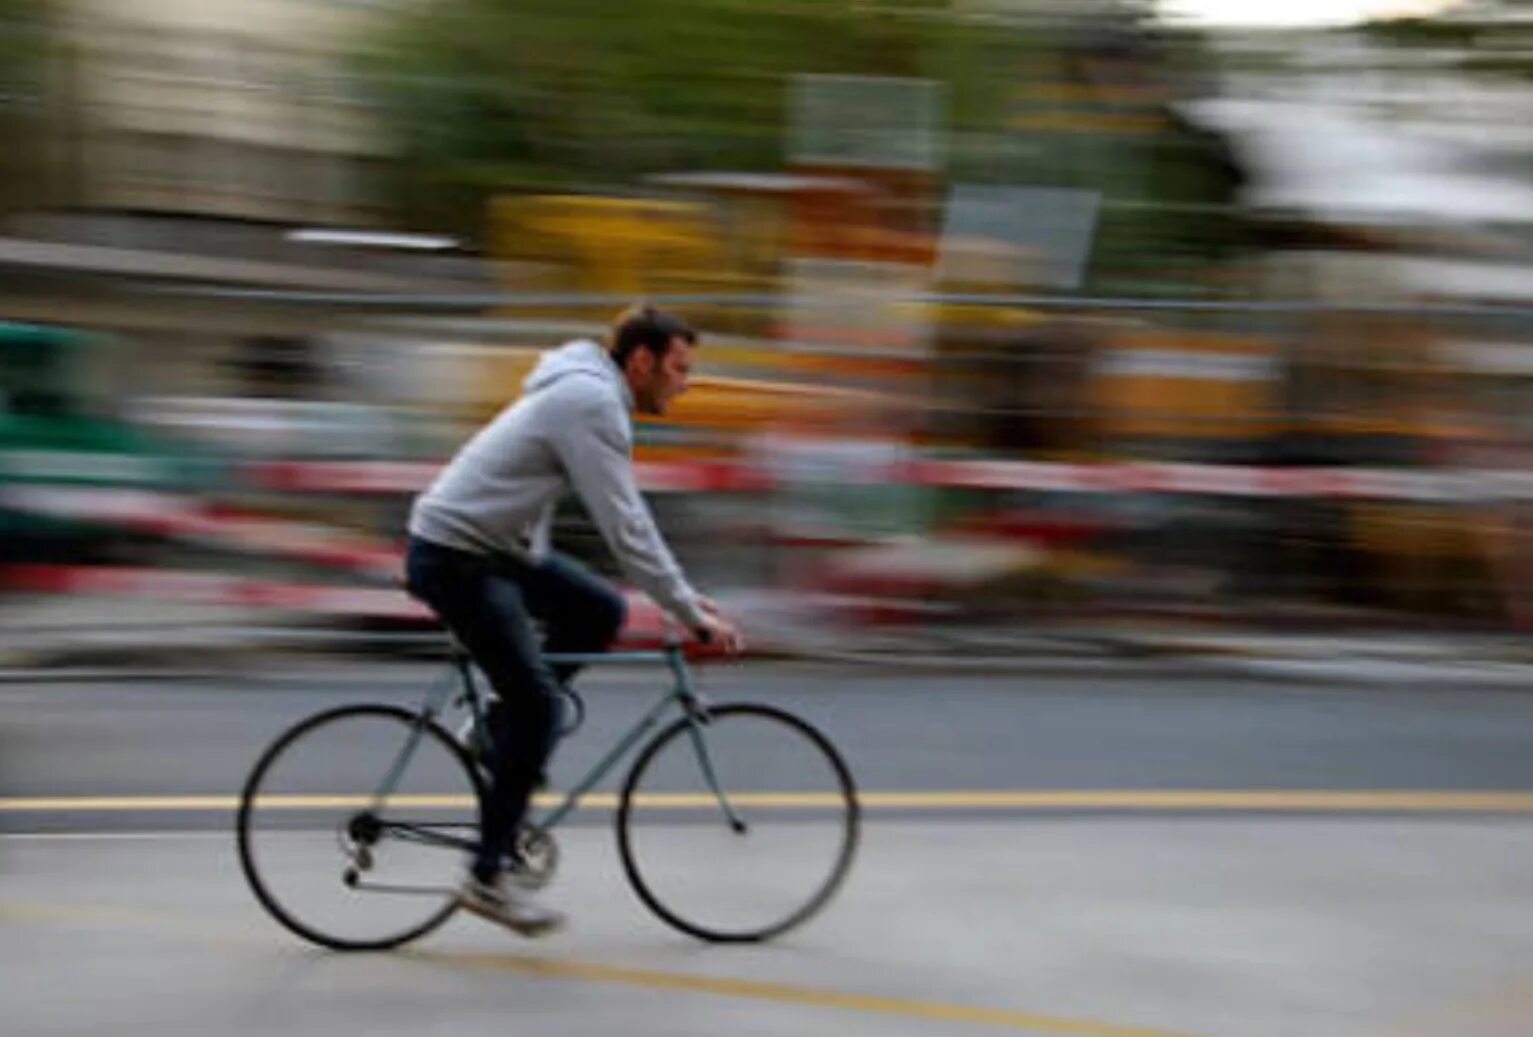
(1423, 32)
(25, 30)
(480, 95)
(27, 45)
(1494, 40)
(484, 96)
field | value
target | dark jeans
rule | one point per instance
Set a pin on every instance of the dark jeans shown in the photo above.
(489, 604)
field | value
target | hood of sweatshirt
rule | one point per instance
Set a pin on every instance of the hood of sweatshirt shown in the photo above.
(581, 358)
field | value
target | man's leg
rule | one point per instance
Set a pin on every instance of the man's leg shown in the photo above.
(581, 612)
(488, 612)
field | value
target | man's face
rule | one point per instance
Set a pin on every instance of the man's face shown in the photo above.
(656, 384)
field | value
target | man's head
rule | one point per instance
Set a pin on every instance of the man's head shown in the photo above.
(654, 352)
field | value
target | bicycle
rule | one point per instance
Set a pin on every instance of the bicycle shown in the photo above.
(703, 845)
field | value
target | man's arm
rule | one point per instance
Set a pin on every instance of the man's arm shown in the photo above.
(592, 443)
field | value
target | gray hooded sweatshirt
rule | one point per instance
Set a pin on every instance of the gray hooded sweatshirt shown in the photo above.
(569, 430)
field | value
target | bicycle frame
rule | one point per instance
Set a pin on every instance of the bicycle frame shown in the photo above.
(681, 695)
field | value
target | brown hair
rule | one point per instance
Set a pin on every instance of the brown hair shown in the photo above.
(644, 327)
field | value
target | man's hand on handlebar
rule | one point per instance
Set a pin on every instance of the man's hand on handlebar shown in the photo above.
(718, 629)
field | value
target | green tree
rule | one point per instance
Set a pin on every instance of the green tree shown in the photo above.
(27, 40)
(480, 95)
(484, 96)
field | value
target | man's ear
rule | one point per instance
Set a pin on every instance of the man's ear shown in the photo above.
(641, 362)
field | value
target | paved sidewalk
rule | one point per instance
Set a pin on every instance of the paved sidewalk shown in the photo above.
(55, 631)
(61, 634)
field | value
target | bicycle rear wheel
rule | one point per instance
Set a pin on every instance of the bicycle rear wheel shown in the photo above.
(757, 860)
(334, 860)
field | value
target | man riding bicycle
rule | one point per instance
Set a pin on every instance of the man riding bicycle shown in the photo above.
(479, 556)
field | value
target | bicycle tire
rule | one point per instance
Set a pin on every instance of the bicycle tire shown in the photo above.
(839, 798)
(456, 763)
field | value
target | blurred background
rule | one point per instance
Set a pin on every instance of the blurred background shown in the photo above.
(1046, 343)
(1018, 315)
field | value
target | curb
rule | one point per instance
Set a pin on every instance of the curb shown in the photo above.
(213, 651)
(1375, 674)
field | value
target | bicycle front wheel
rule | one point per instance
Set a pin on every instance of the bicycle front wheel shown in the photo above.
(738, 826)
(353, 826)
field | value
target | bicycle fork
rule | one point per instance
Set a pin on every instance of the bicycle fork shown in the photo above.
(698, 717)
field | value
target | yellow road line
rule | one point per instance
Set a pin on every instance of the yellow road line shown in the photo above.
(781, 993)
(1148, 800)
(1179, 799)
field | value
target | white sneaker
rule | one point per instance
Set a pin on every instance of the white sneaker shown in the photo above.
(499, 901)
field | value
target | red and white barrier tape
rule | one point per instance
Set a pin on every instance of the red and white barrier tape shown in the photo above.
(646, 621)
(1219, 480)
(399, 477)
(210, 589)
(808, 463)
(1227, 480)
(188, 519)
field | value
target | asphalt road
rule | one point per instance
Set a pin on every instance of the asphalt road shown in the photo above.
(899, 732)
(1078, 855)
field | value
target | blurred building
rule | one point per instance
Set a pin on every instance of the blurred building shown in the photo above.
(181, 143)
(240, 108)
(1359, 127)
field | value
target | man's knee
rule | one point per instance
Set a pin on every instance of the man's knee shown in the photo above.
(608, 615)
(584, 612)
